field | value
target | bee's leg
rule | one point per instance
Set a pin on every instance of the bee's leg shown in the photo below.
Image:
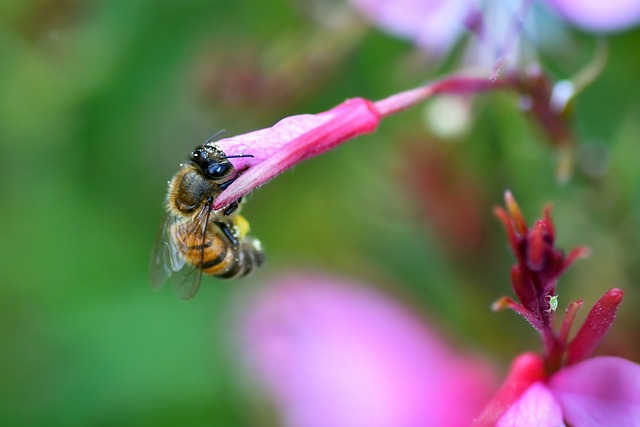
(232, 207)
(224, 185)
(227, 232)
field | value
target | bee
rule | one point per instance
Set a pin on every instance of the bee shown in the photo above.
(197, 239)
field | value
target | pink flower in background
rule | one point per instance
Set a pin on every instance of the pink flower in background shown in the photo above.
(335, 353)
(534, 279)
(436, 25)
(601, 391)
(496, 26)
(447, 193)
(599, 15)
(564, 384)
(431, 24)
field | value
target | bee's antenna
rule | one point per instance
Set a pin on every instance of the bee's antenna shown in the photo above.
(214, 136)
(235, 156)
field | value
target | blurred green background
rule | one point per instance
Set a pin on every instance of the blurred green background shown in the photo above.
(100, 102)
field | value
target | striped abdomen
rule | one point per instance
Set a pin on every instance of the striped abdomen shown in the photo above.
(216, 255)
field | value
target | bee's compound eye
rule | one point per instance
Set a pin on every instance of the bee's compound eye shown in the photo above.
(199, 156)
(218, 170)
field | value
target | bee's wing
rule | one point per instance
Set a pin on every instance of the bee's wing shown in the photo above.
(186, 280)
(167, 261)
(161, 266)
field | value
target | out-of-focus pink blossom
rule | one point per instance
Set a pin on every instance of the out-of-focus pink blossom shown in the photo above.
(436, 25)
(599, 15)
(599, 391)
(334, 353)
(431, 24)
(536, 407)
(448, 196)
(496, 26)
(602, 391)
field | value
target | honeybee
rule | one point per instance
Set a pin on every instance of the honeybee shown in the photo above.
(196, 239)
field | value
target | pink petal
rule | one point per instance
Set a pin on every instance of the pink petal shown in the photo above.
(526, 369)
(569, 318)
(602, 391)
(599, 15)
(595, 326)
(334, 353)
(536, 407)
(433, 24)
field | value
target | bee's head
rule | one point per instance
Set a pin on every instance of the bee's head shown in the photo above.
(212, 162)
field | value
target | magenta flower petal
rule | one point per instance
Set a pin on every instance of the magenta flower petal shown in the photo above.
(599, 15)
(602, 391)
(536, 407)
(526, 369)
(334, 353)
(432, 24)
(595, 326)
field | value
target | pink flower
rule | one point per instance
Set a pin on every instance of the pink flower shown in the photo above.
(292, 140)
(297, 138)
(599, 15)
(534, 279)
(562, 385)
(496, 26)
(436, 25)
(334, 353)
(535, 275)
(431, 24)
(602, 391)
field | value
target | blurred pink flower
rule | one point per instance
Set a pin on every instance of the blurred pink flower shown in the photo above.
(334, 353)
(497, 26)
(602, 391)
(448, 195)
(436, 25)
(431, 24)
(599, 15)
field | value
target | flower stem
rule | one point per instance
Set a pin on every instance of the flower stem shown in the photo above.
(553, 350)
(449, 85)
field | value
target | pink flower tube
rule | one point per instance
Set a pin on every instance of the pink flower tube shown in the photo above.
(334, 353)
(299, 137)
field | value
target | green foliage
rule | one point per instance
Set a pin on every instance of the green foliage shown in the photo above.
(102, 100)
